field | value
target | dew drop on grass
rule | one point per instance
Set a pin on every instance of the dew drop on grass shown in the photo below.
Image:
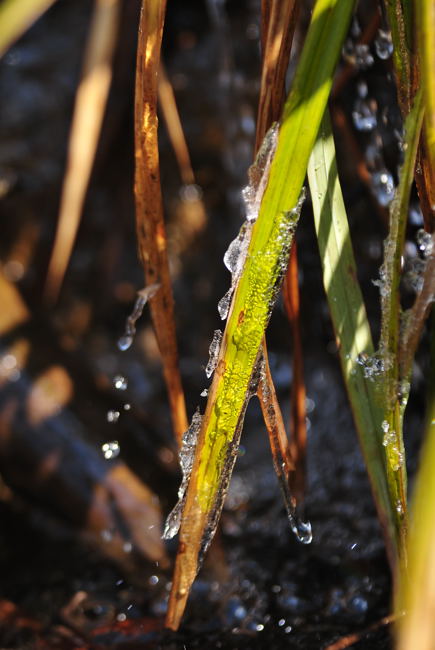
(383, 44)
(364, 114)
(110, 449)
(126, 340)
(214, 348)
(383, 187)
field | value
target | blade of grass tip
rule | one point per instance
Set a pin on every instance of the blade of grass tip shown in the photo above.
(394, 391)
(298, 420)
(416, 596)
(90, 104)
(16, 16)
(169, 110)
(279, 20)
(266, 260)
(149, 205)
(349, 318)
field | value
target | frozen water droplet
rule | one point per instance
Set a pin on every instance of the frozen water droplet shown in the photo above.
(224, 304)
(110, 449)
(363, 56)
(125, 341)
(383, 187)
(357, 54)
(424, 242)
(112, 416)
(303, 531)
(214, 353)
(364, 114)
(372, 366)
(383, 44)
(120, 382)
(187, 454)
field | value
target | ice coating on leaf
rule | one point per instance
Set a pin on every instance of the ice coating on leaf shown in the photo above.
(187, 454)
(143, 296)
(214, 348)
(224, 304)
(258, 173)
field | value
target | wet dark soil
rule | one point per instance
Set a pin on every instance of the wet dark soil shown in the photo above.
(260, 588)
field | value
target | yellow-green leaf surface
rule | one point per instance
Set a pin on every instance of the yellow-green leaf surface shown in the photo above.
(265, 262)
(16, 16)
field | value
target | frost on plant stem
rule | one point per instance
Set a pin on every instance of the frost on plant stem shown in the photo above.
(187, 454)
(124, 343)
(235, 256)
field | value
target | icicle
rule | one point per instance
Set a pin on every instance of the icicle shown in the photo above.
(214, 348)
(130, 326)
(187, 454)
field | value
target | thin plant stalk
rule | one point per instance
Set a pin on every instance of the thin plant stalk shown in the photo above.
(90, 104)
(219, 432)
(149, 204)
(278, 21)
(394, 390)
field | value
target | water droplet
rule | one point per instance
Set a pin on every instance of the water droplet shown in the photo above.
(153, 580)
(112, 416)
(383, 187)
(383, 44)
(399, 507)
(204, 393)
(120, 382)
(424, 242)
(214, 349)
(127, 407)
(143, 296)
(124, 342)
(303, 531)
(110, 449)
(364, 114)
(373, 366)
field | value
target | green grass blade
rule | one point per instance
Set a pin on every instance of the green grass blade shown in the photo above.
(416, 597)
(16, 16)
(265, 262)
(350, 321)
